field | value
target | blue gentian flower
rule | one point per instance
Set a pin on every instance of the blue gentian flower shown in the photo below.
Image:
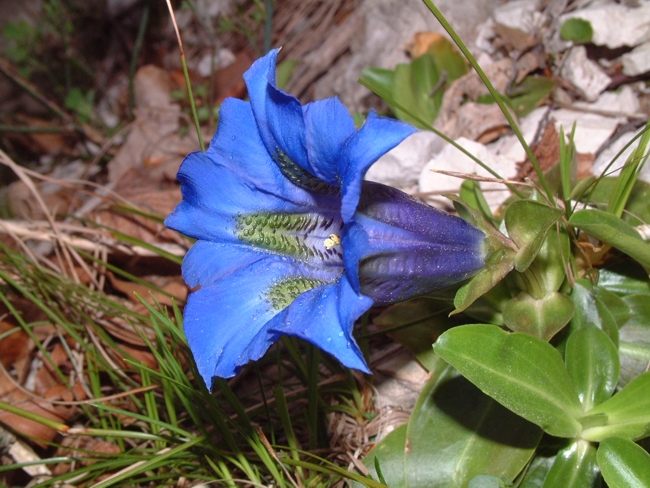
(291, 240)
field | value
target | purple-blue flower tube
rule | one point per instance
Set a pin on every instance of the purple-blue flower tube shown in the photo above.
(291, 240)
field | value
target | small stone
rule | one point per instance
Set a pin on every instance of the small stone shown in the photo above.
(637, 61)
(451, 159)
(584, 74)
(523, 15)
(401, 166)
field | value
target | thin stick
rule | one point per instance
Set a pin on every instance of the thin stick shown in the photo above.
(187, 77)
(467, 176)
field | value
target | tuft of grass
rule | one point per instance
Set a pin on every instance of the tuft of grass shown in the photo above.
(160, 419)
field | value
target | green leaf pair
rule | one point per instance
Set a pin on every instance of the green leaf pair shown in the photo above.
(612, 230)
(570, 399)
(455, 434)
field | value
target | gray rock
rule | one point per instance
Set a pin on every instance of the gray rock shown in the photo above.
(637, 61)
(401, 167)
(584, 74)
(389, 26)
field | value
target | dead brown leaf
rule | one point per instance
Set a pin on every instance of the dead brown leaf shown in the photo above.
(71, 446)
(46, 142)
(229, 81)
(527, 63)
(461, 116)
(13, 346)
(585, 163)
(25, 426)
(546, 151)
(421, 43)
(155, 133)
(171, 284)
(513, 39)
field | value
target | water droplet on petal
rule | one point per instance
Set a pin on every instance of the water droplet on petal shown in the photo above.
(340, 334)
(348, 344)
(329, 339)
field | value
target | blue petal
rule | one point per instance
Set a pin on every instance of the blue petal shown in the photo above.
(278, 114)
(220, 321)
(377, 136)
(356, 244)
(325, 317)
(225, 322)
(312, 136)
(329, 126)
(235, 176)
(207, 262)
(237, 146)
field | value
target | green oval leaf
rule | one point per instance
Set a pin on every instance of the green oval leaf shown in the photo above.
(456, 432)
(537, 471)
(487, 481)
(623, 463)
(590, 310)
(379, 80)
(523, 373)
(389, 454)
(634, 346)
(498, 265)
(526, 96)
(626, 414)
(549, 264)
(624, 277)
(592, 362)
(574, 467)
(613, 231)
(616, 306)
(577, 30)
(413, 89)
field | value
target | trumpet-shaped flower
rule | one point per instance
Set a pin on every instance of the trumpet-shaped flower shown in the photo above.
(291, 240)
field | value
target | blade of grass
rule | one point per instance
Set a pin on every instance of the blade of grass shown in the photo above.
(313, 397)
(268, 26)
(568, 167)
(285, 418)
(146, 465)
(629, 175)
(190, 96)
(52, 424)
(137, 47)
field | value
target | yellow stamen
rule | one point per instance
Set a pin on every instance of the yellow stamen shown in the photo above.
(331, 241)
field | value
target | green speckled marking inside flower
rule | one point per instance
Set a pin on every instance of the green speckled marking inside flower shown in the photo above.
(281, 294)
(302, 178)
(305, 236)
